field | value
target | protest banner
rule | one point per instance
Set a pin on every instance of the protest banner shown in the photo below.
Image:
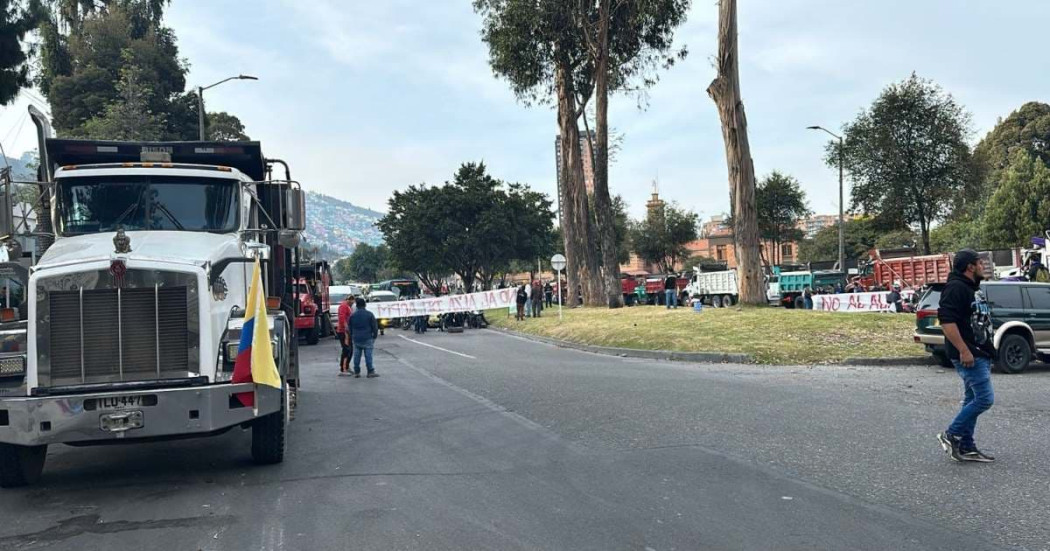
(485, 300)
(853, 302)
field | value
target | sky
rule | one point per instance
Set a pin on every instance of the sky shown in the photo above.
(366, 97)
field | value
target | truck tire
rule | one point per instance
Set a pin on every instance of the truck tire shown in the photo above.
(268, 435)
(728, 301)
(716, 301)
(1015, 353)
(21, 465)
(313, 336)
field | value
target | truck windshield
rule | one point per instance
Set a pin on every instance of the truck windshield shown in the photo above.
(92, 204)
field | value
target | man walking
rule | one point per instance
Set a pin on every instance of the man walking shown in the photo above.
(343, 334)
(364, 330)
(548, 294)
(964, 315)
(671, 291)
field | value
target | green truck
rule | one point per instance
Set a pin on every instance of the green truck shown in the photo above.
(792, 284)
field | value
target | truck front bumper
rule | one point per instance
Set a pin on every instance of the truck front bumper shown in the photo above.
(97, 417)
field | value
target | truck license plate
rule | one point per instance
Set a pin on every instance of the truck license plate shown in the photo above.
(121, 422)
(119, 402)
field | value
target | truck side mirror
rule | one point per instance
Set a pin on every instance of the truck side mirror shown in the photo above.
(295, 209)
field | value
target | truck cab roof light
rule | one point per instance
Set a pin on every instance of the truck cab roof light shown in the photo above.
(273, 303)
(224, 168)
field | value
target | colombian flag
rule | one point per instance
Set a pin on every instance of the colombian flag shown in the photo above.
(255, 354)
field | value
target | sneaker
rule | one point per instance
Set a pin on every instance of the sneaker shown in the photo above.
(372, 375)
(343, 374)
(950, 444)
(357, 375)
(977, 456)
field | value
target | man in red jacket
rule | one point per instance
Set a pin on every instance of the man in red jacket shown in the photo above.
(343, 332)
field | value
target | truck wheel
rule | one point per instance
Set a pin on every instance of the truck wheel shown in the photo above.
(716, 301)
(268, 434)
(800, 303)
(21, 465)
(727, 301)
(313, 336)
(1014, 353)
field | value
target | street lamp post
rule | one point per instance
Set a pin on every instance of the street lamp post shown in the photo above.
(842, 214)
(200, 100)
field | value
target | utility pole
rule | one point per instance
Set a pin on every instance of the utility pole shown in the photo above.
(842, 206)
(200, 101)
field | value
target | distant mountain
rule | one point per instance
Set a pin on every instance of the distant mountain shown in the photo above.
(336, 227)
(20, 166)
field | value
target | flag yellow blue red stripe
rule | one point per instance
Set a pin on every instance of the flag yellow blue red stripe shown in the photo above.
(255, 361)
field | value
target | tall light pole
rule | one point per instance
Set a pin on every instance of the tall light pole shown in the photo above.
(842, 210)
(200, 99)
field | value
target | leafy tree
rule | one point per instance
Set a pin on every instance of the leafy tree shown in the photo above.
(1026, 129)
(625, 42)
(537, 47)
(224, 127)
(908, 155)
(367, 264)
(698, 260)
(662, 237)
(860, 237)
(897, 239)
(780, 204)
(958, 234)
(408, 230)
(1020, 207)
(129, 116)
(474, 226)
(16, 20)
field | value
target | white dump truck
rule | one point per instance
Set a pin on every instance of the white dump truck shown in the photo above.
(130, 320)
(715, 288)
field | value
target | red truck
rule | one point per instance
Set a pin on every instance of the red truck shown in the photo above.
(654, 289)
(885, 268)
(312, 321)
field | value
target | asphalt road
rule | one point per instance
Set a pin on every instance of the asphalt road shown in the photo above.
(486, 441)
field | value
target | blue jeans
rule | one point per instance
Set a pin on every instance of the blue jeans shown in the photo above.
(358, 350)
(977, 398)
(670, 298)
(808, 302)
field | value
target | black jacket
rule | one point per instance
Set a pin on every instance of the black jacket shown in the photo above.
(670, 283)
(957, 306)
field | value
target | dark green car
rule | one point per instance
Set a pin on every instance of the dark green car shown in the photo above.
(1020, 315)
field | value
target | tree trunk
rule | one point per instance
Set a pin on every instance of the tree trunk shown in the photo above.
(582, 268)
(603, 214)
(725, 91)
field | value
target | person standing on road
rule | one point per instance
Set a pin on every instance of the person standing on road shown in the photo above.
(671, 291)
(364, 329)
(342, 331)
(537, 298)
(548, 295)
(964, 316)
(522, 298)
(807, 298)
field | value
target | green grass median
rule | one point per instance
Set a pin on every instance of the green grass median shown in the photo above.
(770, 335)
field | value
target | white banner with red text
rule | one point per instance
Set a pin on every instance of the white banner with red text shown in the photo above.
(853, 302)
(485, 300)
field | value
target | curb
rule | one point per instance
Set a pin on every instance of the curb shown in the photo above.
(668, 355)
(888, 362)
(705, 357)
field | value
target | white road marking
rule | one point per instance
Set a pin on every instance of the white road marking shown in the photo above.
(438, 348)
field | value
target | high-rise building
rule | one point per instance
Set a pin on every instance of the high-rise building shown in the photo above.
(587, 157)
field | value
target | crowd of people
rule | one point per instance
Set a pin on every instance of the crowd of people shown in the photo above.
(532, 298)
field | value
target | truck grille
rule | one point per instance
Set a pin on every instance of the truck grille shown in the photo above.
(119, 334)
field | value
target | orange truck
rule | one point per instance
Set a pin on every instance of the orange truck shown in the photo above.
(884, 268)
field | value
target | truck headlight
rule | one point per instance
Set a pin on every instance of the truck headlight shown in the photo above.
(233, 347)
